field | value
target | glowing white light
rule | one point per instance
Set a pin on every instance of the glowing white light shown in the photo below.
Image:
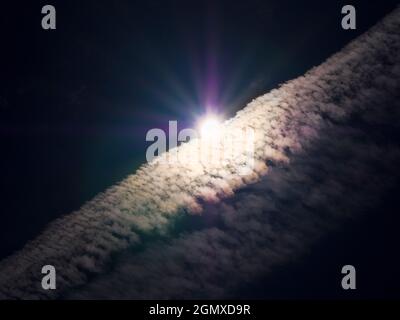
(210, 127)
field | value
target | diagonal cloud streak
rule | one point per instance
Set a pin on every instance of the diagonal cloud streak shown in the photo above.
(319, 159)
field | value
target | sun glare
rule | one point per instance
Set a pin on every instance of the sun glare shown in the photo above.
(210, 127)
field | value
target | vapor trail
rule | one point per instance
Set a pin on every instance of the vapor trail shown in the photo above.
(319, 159)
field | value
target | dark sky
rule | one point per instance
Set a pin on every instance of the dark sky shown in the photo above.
(76, 103)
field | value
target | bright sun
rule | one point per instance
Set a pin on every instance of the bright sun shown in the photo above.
(210, 127)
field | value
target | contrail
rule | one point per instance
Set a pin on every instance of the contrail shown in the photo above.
(319, 158)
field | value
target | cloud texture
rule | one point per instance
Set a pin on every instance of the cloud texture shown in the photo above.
(178, 230)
